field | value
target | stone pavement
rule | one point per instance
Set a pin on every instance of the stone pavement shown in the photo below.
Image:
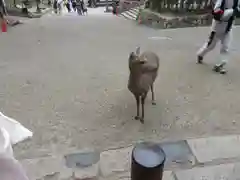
(211, 158)
(67, 82)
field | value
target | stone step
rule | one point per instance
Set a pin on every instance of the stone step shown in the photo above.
(185, 160)
(134, 10)
(218, 172)
(130, 14)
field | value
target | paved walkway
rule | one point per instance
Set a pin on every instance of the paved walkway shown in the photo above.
(65, 78)
(213, 158)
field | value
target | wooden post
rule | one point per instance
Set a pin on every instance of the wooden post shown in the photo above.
(147, 162)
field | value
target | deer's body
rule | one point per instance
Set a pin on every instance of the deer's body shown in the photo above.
(143, 72)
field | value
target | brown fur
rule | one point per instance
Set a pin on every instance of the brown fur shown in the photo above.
(143, 72)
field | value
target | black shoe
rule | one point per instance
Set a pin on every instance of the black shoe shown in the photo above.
(199, 59)
(223, 71)
(220, 68)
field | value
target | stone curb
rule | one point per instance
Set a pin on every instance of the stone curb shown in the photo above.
(185, 160)
(162, 21)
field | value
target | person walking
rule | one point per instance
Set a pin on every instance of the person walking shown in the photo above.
(83, 7)
(60, 6)
(3, 14)
(74, 5)
(67, 4)
(57, 6)
(224, 13)
(3, 10)
(79, 7)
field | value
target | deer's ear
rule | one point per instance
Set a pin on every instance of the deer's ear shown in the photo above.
(132, 55)
(138, 51)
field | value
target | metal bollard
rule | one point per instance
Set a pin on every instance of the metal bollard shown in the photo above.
(147, 162)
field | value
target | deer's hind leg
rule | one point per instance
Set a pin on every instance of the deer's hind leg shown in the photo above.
(153, 96)
(143, 97)
(137, 103)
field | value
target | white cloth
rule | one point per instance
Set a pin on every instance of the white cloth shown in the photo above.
(11, 132)
(16, 131)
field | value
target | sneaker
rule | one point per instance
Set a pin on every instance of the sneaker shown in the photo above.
(199, 59)
(223, 71)
(220, 68)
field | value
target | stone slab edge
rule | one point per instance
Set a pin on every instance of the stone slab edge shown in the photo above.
(216, 149)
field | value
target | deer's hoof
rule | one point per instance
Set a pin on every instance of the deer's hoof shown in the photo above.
(142, 120)
(154, 103)
(137, 118)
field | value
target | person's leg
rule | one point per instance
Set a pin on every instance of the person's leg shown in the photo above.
(1, 18)
(68, 6)
(79, 10)
(224, 53)
(60, 7)
(81, 5)
(55, 6)
(74, 6)
(208, 46)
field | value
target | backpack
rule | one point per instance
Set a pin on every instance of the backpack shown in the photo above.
(232, 18)
(217, 16)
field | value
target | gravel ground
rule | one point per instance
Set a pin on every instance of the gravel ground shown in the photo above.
(65, 78)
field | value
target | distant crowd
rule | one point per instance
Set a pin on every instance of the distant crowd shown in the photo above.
(78, 6)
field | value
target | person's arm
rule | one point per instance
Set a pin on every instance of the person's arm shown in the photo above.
(218, 9)
(218, 5)
(237, 9)
(220, 13)
(233, 11)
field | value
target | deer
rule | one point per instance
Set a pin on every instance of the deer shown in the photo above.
(143, 72)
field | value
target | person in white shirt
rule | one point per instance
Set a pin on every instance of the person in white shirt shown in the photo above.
(224, 13)
(60, 5)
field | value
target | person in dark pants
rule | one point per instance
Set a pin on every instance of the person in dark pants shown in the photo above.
(3, 11)
(3, 8)
(74, 5)
(68, 5)
(79, 7)
(55, 7)
(115, 5)
(83, 7)
(92, 3)
(89, 3)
